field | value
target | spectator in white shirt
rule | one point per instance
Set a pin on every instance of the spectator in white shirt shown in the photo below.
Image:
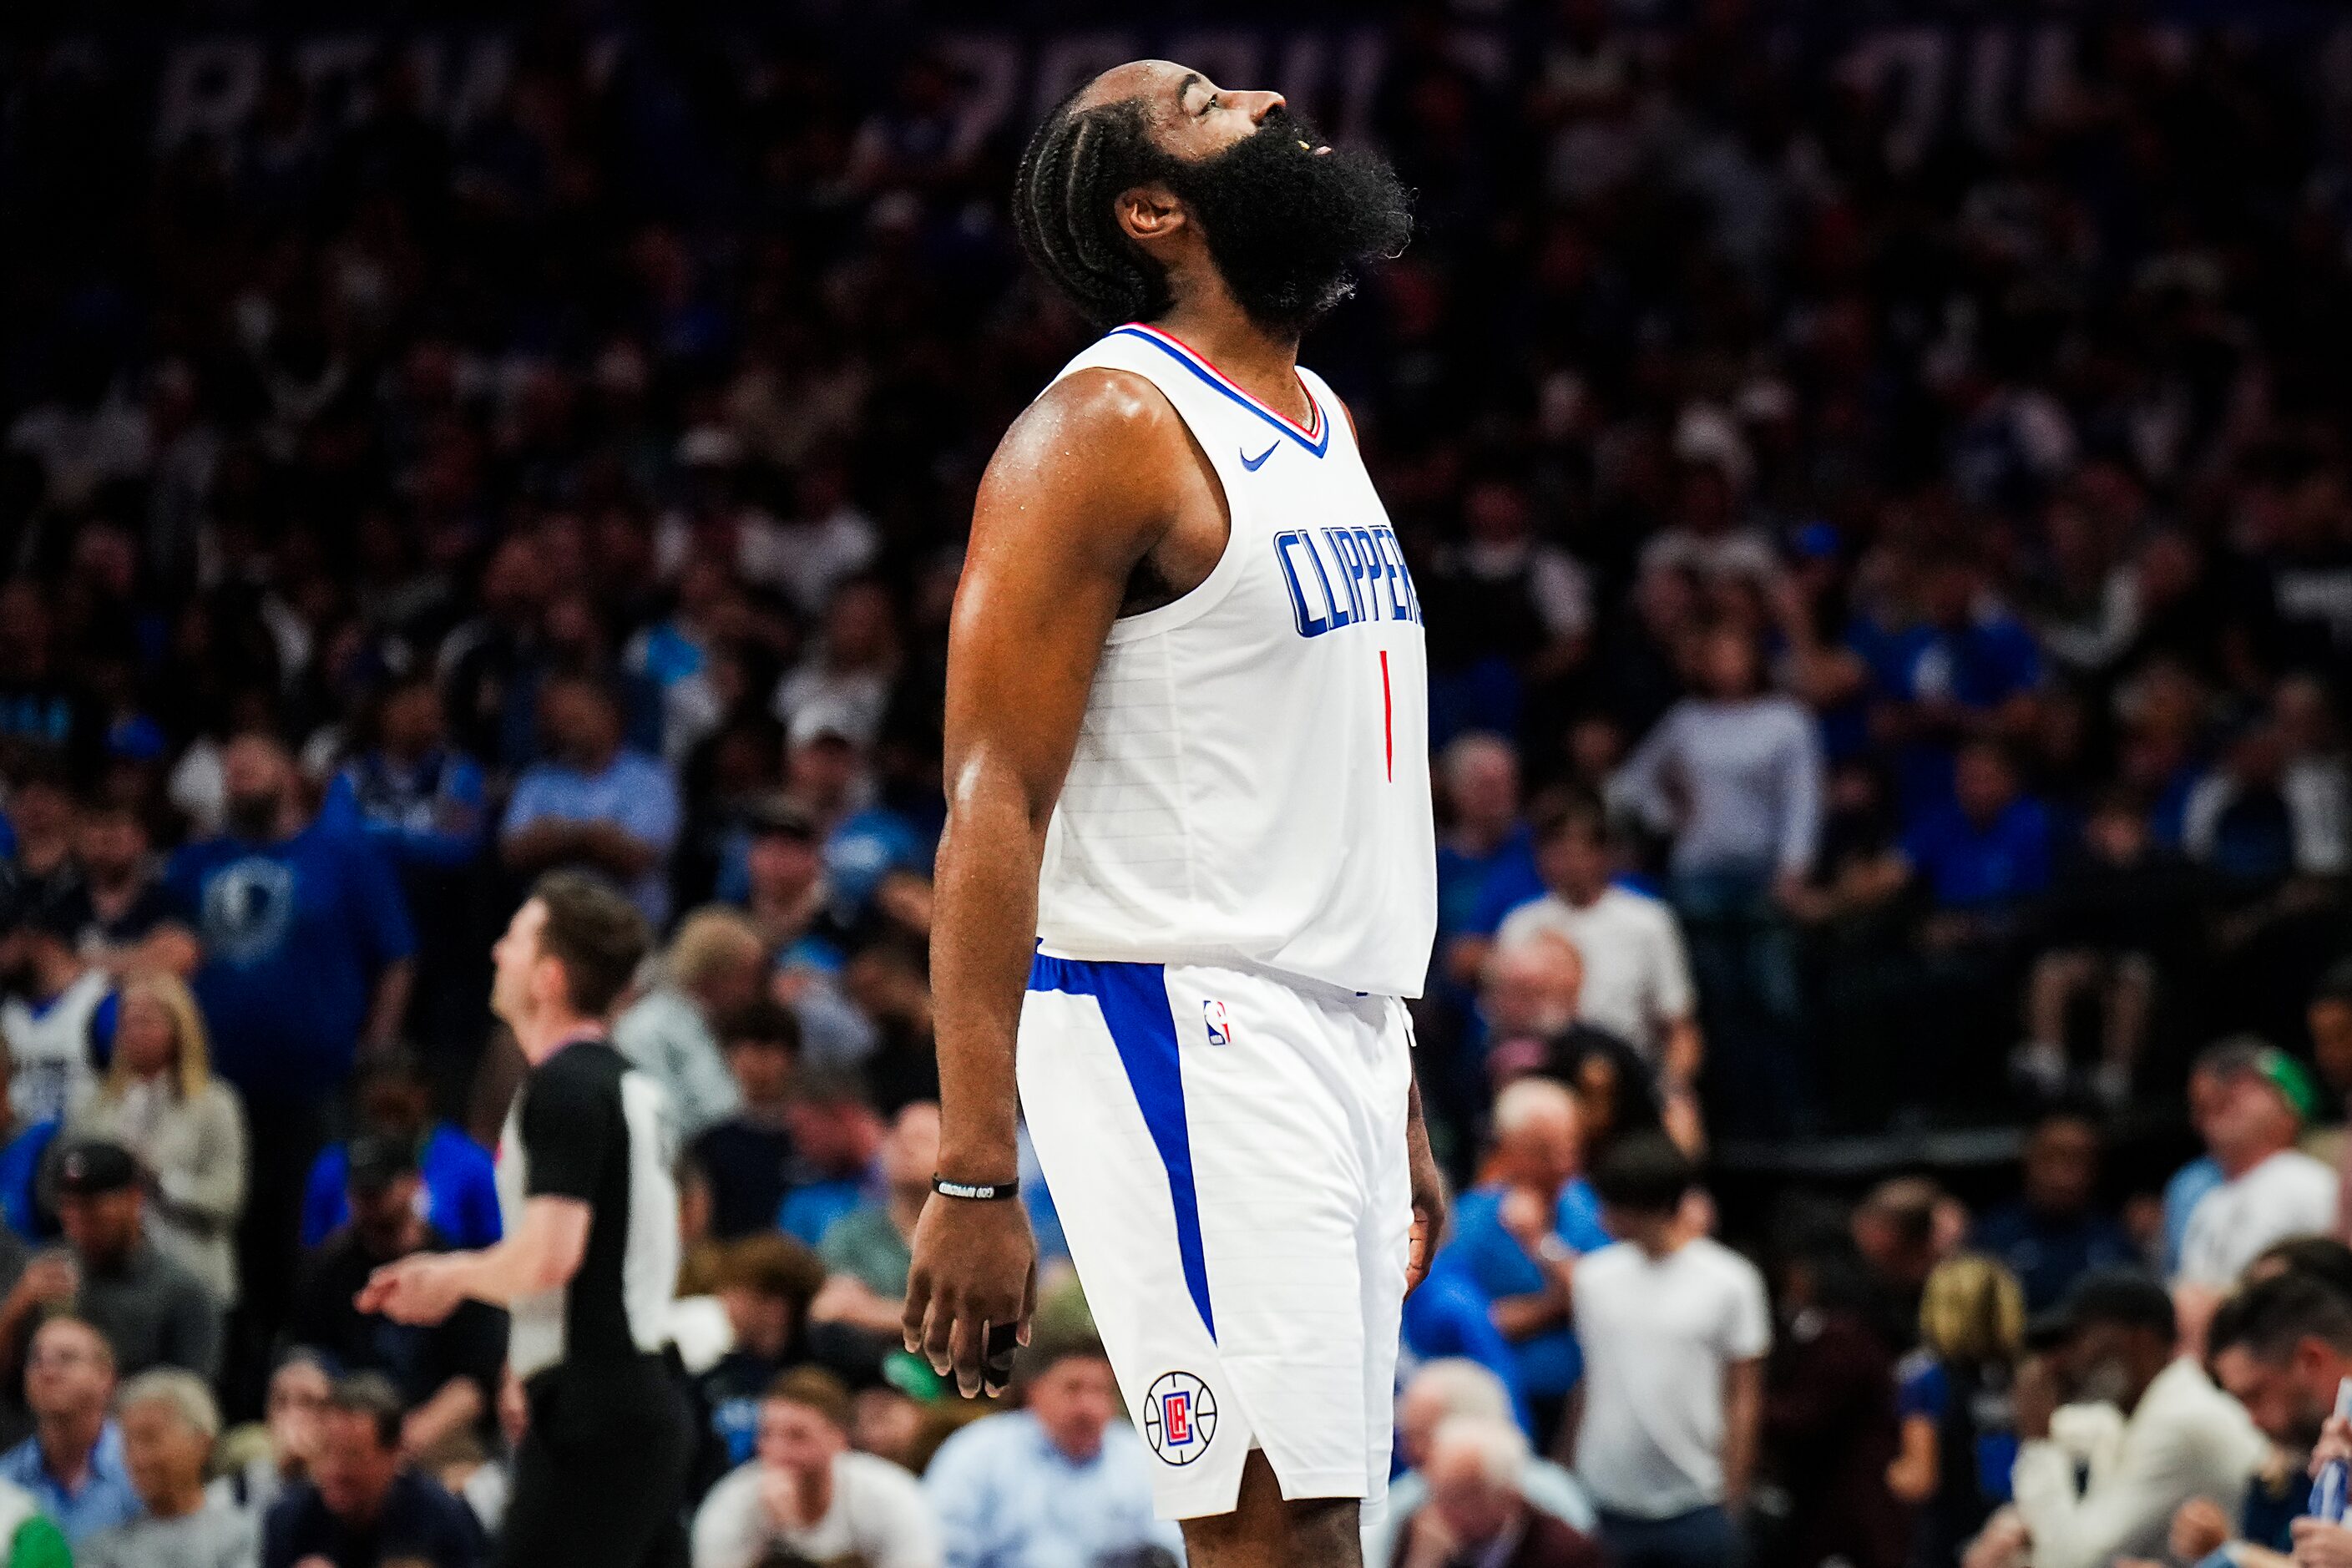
(807, 1494)
(2150, 1431)
(2259, 1101)
(1674, 1329)
(1637, 982)
(1734, 773)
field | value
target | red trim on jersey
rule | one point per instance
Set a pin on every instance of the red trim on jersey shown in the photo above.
(1311, 432)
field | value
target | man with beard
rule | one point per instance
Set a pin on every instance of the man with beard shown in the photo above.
(307, 947)
(2172, 1436)
(2280, 1348)
(1187, 776)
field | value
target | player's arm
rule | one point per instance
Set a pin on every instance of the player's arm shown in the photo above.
(1079, 492)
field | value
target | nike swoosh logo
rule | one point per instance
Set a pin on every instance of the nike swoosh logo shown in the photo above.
(1254, 464)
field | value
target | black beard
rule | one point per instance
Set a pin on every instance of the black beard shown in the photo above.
(1286, 226)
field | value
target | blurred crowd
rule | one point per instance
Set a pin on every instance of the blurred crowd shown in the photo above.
(1890, 609)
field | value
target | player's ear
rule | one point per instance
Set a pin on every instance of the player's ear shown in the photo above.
(1149, 213)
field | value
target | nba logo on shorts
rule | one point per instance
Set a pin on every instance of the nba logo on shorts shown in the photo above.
(1221, 1030)
(1180, 1416)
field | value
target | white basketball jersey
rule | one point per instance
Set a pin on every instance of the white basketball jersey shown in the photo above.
(1251, 782)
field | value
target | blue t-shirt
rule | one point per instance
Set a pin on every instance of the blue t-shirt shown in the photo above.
(2048, 1256)
(1462, 879)
(1923, 1387)
(20, 1181)
(1449, 1316)
(461, 1190)
(1969, 866)
(1491, 1260)
(295, 935)
(104, 1500)
(633, 792)
(1979, 666)
(434, 815)
(864, 848)
(2181, 1195)
(807, 1213)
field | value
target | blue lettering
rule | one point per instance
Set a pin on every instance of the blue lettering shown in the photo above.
(1376, 567)
(1339, 618)
(1410, 609)
(1310, 624)
(1351, 568)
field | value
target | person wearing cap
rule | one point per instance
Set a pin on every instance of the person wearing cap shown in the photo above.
(152, 1309)
(185, 1127)
(2258, 1104)
(2152, 1430)
(393, 1097)
(591, 803)
(776, 876)
(827, 770)
(448, 1372)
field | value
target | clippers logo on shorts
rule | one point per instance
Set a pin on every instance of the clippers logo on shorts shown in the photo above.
(1221, 1029)
(1180, 1416)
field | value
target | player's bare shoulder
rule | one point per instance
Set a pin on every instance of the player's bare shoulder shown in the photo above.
(1103, 464)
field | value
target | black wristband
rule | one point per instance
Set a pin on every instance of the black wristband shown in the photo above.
(979, 1192)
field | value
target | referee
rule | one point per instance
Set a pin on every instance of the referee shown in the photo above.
(590, 1252)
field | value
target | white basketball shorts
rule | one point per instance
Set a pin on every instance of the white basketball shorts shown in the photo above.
(1226, 1151)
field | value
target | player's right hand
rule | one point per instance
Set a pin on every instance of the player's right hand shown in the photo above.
(970, 1290)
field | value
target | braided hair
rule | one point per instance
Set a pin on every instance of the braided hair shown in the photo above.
(1074, 167)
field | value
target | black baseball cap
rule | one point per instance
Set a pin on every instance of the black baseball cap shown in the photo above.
(92, 1166)
(378, 1160)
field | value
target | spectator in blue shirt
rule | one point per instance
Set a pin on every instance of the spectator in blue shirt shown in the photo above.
(2055, 1232)
(1487, 839)
(1517, 1234)
(1060, 1480)
(394, 1099)
(415, 799)
(826, 770)
(307, 956)
(72, 1464)
(591, 803)
(1967, 669)
(1989, 849)
(839, 1136)
(1447, 1318)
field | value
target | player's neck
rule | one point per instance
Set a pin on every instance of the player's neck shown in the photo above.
(1258, 361)
(542, 1037)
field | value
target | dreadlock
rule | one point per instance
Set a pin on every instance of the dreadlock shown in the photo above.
(1074, 168)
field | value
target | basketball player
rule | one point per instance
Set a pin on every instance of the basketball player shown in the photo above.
(589, 1261)
(1188, 864)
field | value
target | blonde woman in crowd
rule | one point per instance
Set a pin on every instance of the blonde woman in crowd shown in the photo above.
(1958, 1436)
(162, 1102)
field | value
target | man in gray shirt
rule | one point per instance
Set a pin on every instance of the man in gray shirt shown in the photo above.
(151, 1309)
